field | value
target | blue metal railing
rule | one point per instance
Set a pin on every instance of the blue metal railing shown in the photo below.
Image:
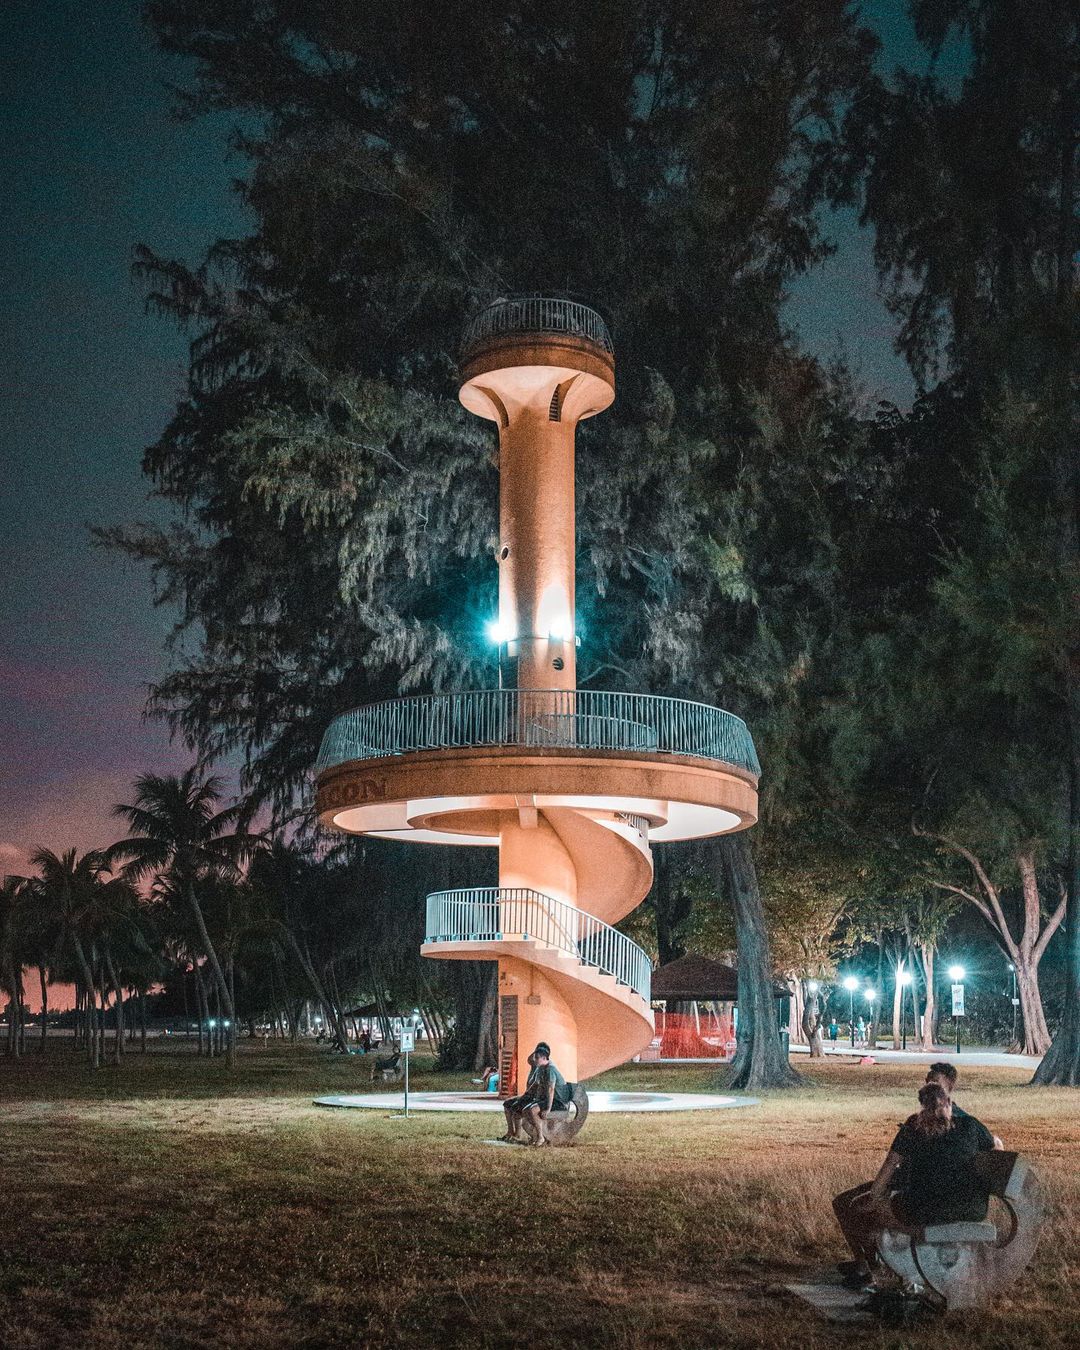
(535, 314)
(573, 719)
(495, 914)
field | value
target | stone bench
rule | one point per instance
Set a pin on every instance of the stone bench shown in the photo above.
(561, 1126)
(967, 1264)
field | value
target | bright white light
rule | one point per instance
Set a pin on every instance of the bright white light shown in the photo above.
(1011, 966)
(870, 995)
(851, 982)
(956, 973)
(499, 632)
(904, 977)
(561, 630)
(213, 1021)
(813, 986)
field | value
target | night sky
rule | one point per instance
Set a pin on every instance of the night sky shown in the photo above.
(92, 165)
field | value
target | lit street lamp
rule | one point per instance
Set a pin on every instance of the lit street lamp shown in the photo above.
(851, 983)
(956, 974)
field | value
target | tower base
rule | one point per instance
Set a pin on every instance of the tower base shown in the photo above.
(532, 1009)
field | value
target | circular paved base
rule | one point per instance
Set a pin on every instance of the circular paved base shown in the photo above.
(485, 1101)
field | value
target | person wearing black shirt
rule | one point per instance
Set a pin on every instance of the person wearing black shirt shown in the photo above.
(850, 1207)
(926, 1178)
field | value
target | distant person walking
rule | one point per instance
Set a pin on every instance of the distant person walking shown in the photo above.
(834, 1031)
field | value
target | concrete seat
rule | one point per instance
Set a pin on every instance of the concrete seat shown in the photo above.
(561, 1127)
(960, 1232)
(964, 1265)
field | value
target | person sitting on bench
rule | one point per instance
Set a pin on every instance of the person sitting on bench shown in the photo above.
(930, 1160)
(514, 1107)
(551, 1092)
(858, 1271)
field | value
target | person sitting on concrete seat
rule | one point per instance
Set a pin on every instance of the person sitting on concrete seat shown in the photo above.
(852, 1224)
(389, 1066)
(927, 1177)
(514, 1107)
(551, 1093)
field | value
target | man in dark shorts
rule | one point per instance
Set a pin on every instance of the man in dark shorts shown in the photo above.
(850, 1207)
(551, 1093)
(514, 1107)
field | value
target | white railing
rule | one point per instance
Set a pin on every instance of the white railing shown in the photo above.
(497, 914)
(572, 719)
(535, 314)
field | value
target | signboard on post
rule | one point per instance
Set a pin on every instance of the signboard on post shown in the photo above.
(958, 1000)
(406, 1044)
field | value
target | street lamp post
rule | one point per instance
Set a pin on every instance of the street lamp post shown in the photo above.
(956, 974)
(1015, 1001)
(851, 983)
(903, 979)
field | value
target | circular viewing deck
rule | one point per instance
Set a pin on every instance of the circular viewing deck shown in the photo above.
(546, 719)
(539, 315)
(430, 766)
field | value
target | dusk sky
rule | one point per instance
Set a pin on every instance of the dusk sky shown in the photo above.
(94, 164)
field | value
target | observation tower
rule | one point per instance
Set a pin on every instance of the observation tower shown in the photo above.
(572, 786)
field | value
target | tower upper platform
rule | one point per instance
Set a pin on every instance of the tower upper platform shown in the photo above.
(551, 353)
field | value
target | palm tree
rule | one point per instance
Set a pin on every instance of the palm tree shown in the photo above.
(178, 831)
(12, 958)
(67, 889)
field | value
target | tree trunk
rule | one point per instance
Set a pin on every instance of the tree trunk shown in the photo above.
(1060, 1065)
(487, 1036)
(811, 1023)
(104, 999)
(231, 1029)
(203, 1010)
(877, 1008)
(926, 956)
(88, 987)
(321, 996)
(1036, 1035)
(43, 981)
(758, 1062)
(670, 908)
(797, 1020)
(211, 956)
(118, 1008)
(142, 1020)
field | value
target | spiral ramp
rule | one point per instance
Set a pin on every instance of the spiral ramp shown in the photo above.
(580, 984)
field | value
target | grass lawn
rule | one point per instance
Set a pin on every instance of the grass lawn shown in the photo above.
(167, 1203)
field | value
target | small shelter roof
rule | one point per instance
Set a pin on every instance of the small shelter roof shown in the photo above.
(700, 977)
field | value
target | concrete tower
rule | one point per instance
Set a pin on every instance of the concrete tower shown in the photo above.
(571, 786)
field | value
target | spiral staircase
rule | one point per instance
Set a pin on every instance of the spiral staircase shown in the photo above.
(572, 786)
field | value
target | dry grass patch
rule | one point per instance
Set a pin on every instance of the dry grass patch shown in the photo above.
(167, 1204)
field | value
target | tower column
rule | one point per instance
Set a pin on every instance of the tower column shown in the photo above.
(536, 546)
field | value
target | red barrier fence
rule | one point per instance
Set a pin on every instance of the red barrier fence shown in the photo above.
(706, 1035)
